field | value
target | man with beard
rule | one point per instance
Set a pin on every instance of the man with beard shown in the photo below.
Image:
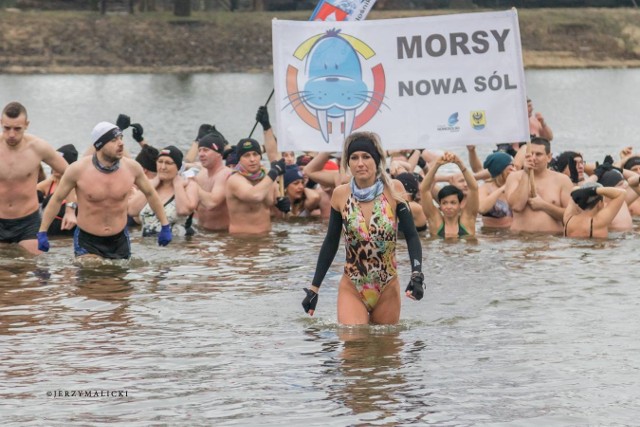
(103, 183)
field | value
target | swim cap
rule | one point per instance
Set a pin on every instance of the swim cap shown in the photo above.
(449, 190)
(611, 178)
(497, 162)
(147, 158)
(409, 182)
(585, 196)
(173, 152)
(631, 162)
(69, 153)
(366, 145)
(104, 132)
(291, 173)
(247, 145)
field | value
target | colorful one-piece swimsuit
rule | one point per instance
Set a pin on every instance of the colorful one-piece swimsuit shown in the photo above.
(370, 248)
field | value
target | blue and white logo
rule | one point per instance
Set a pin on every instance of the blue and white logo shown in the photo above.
(451, 125)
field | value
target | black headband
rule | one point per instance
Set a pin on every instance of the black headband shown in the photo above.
(366, 145)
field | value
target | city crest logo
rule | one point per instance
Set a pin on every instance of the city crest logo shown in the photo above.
(341, 87)
(478, 119)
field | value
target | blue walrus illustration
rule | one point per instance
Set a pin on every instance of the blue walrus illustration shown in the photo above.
(334, 87)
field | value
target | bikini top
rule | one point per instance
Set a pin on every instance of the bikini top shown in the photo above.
(462, 231)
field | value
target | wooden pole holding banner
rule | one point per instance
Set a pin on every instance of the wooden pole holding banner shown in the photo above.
(532, 183)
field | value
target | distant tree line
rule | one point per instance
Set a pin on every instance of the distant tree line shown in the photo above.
(185, 7)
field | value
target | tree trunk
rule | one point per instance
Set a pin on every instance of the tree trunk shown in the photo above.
(103, 7)
(209, 5)
(182, 8)
(258, 5)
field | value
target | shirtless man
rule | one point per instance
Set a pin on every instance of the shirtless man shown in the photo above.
(103, 182)
(20, 157)
(537, 125)
(251, 191)
(542, 213)
(212, 211)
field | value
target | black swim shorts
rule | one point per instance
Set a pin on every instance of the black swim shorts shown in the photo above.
(112, 247)
(18, 229)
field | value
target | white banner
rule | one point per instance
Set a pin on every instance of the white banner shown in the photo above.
(428, 82)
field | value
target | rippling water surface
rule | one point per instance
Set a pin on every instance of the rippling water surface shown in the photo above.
(513, 330)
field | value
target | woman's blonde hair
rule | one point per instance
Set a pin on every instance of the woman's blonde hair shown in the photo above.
(381, 167)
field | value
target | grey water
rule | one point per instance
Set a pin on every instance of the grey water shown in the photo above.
(513, 330)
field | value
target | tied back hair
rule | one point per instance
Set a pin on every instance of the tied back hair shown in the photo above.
(381, 170)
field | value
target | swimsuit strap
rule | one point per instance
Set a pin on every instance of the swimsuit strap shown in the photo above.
(566, 224)
(591, 229)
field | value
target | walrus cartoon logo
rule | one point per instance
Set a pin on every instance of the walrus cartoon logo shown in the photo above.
(335, 91)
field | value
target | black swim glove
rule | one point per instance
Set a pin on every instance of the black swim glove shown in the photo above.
(283, 204)
(309, 302)
(262, 117)
(416, 285)
(203, 130)
(123, 121)
(137, 130)
(277, 168)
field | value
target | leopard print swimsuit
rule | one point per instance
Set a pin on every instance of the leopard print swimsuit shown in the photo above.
(370, 248)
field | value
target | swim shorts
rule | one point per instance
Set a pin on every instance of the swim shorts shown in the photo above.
(117, 246)
(18, 229)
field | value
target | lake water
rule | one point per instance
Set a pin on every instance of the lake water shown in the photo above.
(513, 330)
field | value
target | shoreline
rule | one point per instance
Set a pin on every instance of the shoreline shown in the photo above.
(225, 42)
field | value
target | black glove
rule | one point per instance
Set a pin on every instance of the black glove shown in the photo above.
(416, 285)
(277, 168)
(204, 130)
(581, 196)
(123, 121)
(573, 171)
(137, 130)
(262, 116)
(283, 204)
(309, 302)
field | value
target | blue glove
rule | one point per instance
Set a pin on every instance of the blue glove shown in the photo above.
(309, 302)
(164, 237)
(43, 241)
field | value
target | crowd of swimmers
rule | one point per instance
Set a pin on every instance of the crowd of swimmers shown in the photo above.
(366, 193)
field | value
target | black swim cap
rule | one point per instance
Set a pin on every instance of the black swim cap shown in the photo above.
(147, 158)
